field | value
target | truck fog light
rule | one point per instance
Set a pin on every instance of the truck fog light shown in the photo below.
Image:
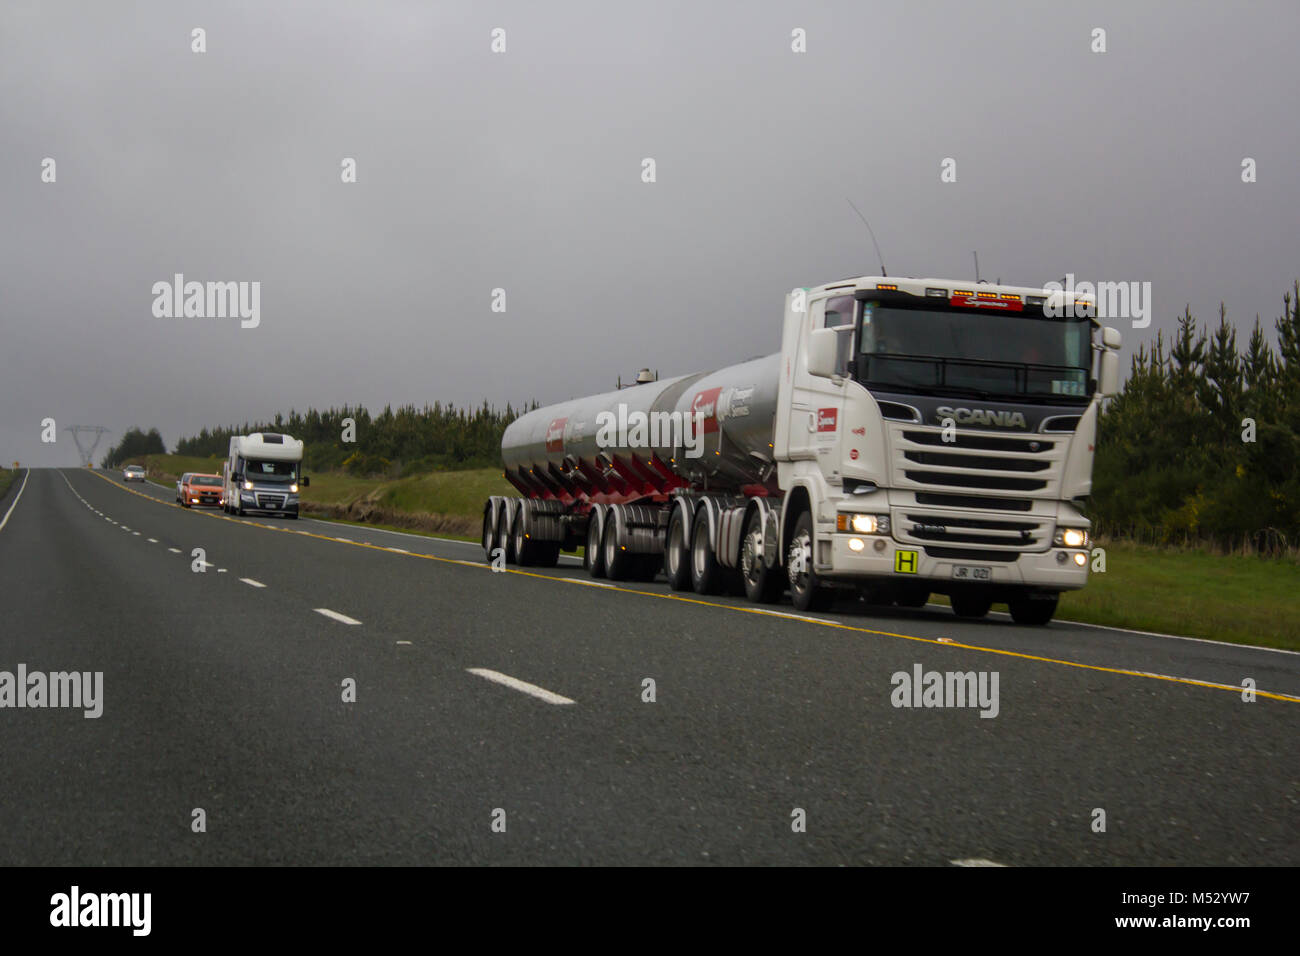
(880, 544)
(1061, 557)
(856, 544)
(1080, 559)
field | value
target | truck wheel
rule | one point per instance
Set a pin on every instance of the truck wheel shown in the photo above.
(1033, 612)
(677, 554)
(706, 575)
(523, 545)
(806, 592)
(593, 554)
(972, 604)
(619, 563)
(912, 595)
(489, 533)
(506, 535)
(763, 585)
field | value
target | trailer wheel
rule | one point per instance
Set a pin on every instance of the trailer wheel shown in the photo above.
(972, 604)
(522, 544)
(1034, 613)
(619, 563)
(763, 585)
(489, 532)
(806, 592)
(593, 554)
(677, 557)
(505, 532)
(706, 575)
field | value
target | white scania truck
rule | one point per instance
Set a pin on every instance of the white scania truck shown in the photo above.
(263, 474)
(912, 436)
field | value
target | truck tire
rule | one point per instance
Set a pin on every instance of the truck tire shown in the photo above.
(763, 585)
(489, 537)
(1033, 612)
(971, 604)
(619, 563)
(522, 545)
(593, 553)
(677, 553)
(505, 532)
(912, 595)
(706, 574)
(806, 592)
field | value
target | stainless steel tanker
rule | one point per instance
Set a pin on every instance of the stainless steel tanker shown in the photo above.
(912, 436)
(713, 429)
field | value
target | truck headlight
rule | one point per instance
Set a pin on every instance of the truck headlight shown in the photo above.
(248, 486)
(862, 524)
(1070, 538)
(293, 489)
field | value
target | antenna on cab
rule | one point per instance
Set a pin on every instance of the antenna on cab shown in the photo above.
(872, 234)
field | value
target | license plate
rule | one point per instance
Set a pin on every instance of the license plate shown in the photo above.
(970, 572)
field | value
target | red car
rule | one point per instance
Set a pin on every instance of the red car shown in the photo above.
(202, 490)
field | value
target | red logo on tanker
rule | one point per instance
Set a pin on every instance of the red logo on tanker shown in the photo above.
(555, 434)
(854, 454)
(860, 431)
(706, 403)
(826, 418)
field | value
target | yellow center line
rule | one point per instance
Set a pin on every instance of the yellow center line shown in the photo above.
(780, 615)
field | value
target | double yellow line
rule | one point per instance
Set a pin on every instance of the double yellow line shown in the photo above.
(742, 609)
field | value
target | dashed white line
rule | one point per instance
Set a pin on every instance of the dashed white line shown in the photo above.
(153, 540)
(336, 615)
(135, 533)
(404, 642)
(14, 504)
(975, 861)
(253, 584)
(174, 550)
(541, 693)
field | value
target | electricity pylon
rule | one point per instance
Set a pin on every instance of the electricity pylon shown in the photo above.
(87, 454)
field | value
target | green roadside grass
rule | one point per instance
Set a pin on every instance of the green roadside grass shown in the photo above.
(1241, 600)
(7, 476)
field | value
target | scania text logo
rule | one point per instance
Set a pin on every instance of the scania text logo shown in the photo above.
(981, 416)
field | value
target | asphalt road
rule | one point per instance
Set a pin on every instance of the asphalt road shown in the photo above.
(224, 695)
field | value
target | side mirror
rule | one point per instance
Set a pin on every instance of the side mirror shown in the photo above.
(822, 348)
(305, 481)
(1111, 338)
(1108, 374)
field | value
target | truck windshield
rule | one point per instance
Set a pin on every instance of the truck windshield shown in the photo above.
(974, 352)
(270, 470)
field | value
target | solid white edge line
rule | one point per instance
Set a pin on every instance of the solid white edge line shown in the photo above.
(343, 618)
(976, 861)
(14, 504)
(541, 693)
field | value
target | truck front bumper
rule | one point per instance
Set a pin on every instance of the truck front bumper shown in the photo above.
(902, 563)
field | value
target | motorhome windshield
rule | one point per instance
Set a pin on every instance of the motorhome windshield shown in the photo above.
(1012, 355)
(255, 470)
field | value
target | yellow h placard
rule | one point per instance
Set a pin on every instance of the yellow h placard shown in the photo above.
(905, 562)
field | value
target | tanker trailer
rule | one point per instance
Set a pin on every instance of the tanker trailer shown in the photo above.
(911, 436)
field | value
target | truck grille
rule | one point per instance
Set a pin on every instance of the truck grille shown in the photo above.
(270, 502)
(1001, 470)
(935, 530)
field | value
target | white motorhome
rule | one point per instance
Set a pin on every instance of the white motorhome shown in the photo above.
(263, 473)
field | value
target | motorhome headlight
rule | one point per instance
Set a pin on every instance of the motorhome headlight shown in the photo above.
(862, 524)
(248, 486)
(1070, 538)
(293, 488)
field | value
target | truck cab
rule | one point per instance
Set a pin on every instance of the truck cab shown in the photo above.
(940, 435)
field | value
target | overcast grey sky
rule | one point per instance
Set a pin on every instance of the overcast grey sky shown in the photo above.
(522, 170)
